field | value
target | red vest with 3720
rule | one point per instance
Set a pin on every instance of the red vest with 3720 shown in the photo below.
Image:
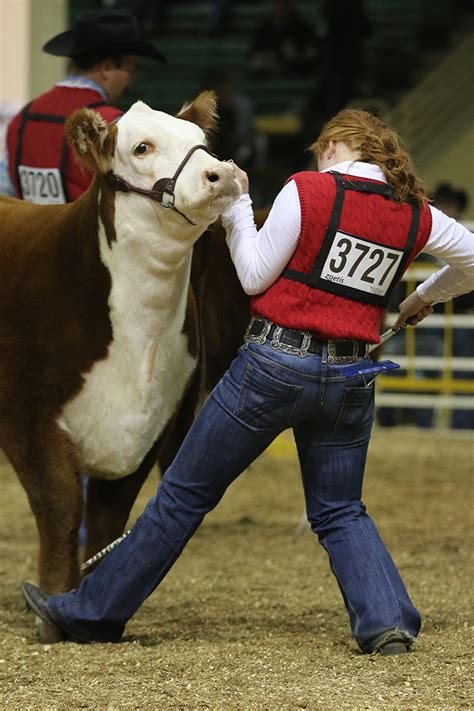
(41, 164)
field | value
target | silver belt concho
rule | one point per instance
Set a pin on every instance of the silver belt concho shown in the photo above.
(275, 343)
(334, 359)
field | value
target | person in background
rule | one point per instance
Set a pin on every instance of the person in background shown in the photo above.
(430, 342)
(235, 135)
(284, 43)
(320, 272)
(451, 201)
(344, 29)
(103, 48)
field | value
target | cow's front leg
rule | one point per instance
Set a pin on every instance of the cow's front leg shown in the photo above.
(108, 506)
(49, 470)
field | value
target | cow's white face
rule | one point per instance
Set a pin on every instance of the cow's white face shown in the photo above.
(146, 145)
(151, 145)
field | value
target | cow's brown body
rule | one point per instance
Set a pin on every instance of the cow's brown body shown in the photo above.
(225, 306)
(54, 321)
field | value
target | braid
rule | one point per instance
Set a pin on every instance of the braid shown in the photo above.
(378, 144)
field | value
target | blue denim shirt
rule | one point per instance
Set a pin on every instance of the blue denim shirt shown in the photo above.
(6, 185)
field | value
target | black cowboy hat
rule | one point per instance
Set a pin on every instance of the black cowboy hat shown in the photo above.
(112, 32)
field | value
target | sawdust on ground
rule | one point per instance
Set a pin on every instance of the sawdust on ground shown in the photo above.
(251, 617)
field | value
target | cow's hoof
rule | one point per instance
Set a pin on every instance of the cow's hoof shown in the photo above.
(48, 634)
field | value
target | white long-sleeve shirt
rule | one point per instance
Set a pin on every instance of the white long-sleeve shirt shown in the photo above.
(261, 255)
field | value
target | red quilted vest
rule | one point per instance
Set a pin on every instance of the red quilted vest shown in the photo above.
(41, 164)
(370, 230)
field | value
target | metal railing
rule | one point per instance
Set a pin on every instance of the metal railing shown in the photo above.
(450, 386)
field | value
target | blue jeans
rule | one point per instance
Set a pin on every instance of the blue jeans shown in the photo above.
(264, 392)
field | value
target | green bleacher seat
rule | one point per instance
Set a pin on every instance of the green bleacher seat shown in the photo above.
(391, 52)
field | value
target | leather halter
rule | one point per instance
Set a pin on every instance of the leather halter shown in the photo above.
(162, 186)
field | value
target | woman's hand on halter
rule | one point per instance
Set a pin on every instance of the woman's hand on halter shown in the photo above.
(412, 311)
(241, 176)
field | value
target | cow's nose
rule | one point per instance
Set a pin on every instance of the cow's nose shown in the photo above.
(212, 176)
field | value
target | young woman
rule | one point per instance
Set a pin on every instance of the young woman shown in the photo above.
(321, 270)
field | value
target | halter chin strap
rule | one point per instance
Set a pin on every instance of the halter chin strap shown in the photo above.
(162, 186)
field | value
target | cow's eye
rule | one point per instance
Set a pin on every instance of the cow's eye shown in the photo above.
(141, 149)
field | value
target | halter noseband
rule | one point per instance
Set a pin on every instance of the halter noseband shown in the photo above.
(162, 186)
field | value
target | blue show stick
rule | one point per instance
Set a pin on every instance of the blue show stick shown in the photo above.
(379, 367)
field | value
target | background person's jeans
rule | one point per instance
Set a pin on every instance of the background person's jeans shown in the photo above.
(264, 392)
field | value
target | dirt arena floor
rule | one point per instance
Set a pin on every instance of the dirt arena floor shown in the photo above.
(250, 617)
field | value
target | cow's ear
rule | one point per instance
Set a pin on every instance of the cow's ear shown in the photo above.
(201, 111)
(92, 139)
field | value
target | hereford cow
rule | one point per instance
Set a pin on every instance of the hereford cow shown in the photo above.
(98, 327)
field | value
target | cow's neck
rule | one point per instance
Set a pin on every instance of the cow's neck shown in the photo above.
(150, 266)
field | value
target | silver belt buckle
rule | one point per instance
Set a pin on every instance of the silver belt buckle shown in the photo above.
(250, 338)
(340, 360)
(301, 351)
